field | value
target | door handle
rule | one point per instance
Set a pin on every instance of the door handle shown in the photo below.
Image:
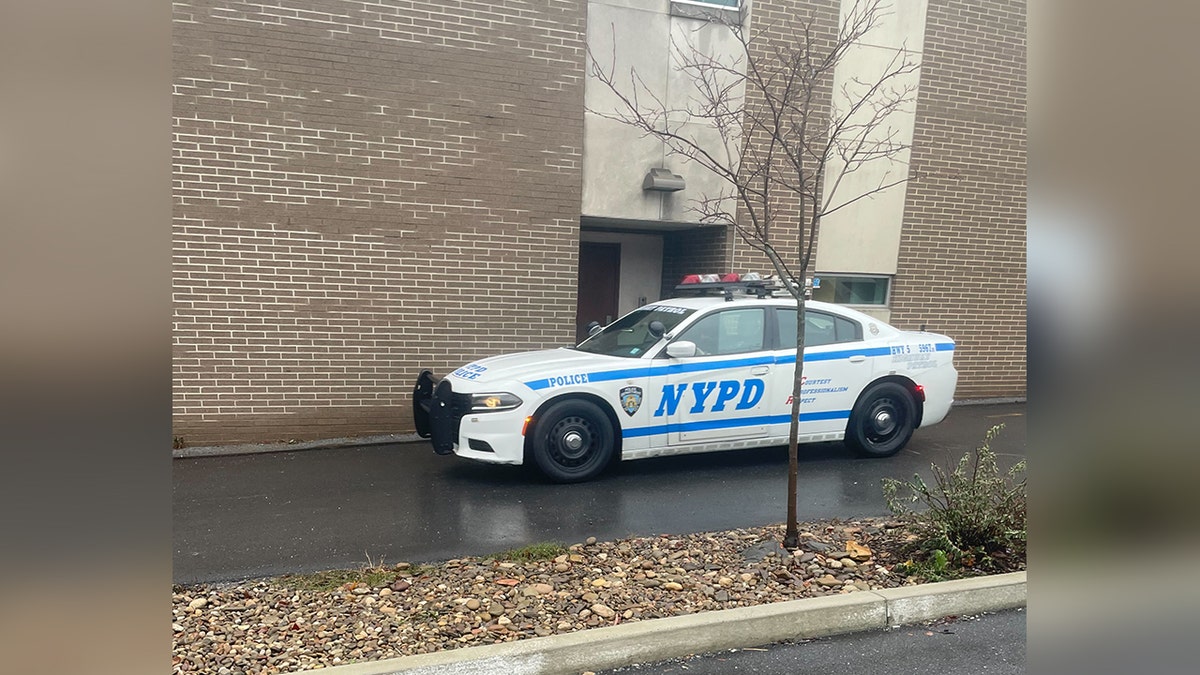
(857, 358)
(761, 370)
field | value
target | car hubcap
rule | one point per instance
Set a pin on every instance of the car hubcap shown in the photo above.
(884, 422)
(572, 441)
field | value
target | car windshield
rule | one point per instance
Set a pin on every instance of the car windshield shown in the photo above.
(630, 335)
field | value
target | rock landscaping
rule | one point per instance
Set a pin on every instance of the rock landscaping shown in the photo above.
(294, 623)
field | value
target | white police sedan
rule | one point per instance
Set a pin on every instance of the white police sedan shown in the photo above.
(696, 374)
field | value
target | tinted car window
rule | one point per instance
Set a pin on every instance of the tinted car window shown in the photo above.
(819, 328)
(733, 331)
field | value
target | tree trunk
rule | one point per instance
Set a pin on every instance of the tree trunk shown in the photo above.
(791, 538)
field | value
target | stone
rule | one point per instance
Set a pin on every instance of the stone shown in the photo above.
(763, 550)
(590, 597)
(585, 613)
(603, 611)
(859, 552)
(495, 608)
(198, 603)
(673, 586)
(504, 621)
(721, 596)
(401, 585)
(818, 546)
(829, 581)
(360, 590)
(543, 589)
(601, 583)
(848, 563)
(385, 592)
(725, 582)
(562, 567)
(473, 604)
(834, 564)
(590, 540)
(563, 625)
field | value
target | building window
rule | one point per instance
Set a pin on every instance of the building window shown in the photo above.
(708, 10)
(851, 290)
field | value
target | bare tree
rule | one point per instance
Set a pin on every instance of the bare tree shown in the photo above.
(788, 142)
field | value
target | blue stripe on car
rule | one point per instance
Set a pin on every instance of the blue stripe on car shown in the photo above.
(706, 425)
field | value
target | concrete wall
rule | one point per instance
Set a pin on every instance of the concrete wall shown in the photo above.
(644, 36)
(865, 235)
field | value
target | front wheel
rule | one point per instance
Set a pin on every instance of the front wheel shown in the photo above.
(573, 441)
(882, 422)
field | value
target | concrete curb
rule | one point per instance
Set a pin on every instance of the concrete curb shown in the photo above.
(659, 639)
(323, 444)
(388, 439)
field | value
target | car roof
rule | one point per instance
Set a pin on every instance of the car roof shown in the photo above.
(716, 301)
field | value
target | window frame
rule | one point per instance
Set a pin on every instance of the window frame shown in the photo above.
(887, 279)
(778, 323)
(767, 324)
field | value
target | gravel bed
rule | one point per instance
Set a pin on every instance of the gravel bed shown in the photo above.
(269, 626)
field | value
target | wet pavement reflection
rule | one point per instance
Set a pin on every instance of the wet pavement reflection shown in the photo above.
(267, 514)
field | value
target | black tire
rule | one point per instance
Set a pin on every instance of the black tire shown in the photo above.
(882, 421)
(573, 441)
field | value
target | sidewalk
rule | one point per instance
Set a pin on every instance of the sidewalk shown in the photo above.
(659, 639)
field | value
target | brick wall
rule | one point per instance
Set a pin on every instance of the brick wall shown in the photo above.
(358, 188)
(962, 252)
(699, 251)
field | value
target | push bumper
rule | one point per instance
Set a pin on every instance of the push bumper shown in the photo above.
(437, 412)
(445, 418)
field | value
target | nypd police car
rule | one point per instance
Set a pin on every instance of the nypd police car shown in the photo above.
(689, 375)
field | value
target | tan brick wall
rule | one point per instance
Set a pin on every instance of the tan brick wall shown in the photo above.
(363, 190)
(962, 252)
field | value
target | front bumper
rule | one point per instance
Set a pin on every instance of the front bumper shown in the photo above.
(439, 413)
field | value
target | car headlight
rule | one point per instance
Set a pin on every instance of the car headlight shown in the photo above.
(494, 402)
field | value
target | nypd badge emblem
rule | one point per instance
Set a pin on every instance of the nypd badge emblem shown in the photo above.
(631, 399)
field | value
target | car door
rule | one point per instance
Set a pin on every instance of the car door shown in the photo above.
(719, 394)
(835, 370)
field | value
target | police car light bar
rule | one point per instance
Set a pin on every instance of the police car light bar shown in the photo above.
(704, 284)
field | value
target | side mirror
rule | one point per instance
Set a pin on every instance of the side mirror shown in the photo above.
(682, 349)
(657, 329)
(593, 328)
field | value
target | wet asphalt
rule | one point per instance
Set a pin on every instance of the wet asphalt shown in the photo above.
(989, 643)
(247, 516)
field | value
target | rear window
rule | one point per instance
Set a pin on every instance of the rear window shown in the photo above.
(819, 328)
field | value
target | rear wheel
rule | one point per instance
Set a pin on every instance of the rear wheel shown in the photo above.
(573, 441)
(882, 422)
